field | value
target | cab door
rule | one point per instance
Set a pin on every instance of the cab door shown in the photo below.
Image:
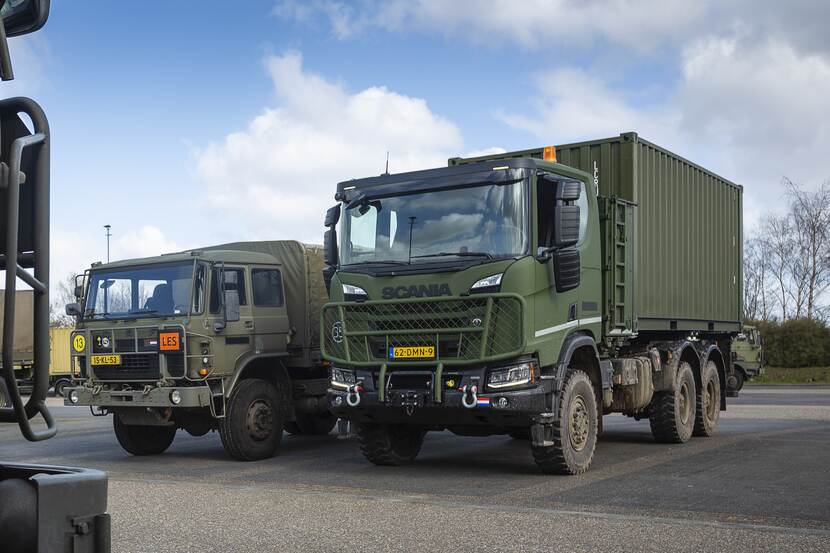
(269, 310)
(237, 337)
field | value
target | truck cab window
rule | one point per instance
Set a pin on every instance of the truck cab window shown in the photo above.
(215, 302)
(266, 287)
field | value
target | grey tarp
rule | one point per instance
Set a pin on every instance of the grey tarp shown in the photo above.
(23, 349)
(305, 291)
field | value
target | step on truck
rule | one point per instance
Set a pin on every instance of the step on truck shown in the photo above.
(530, 293)
(222, 338)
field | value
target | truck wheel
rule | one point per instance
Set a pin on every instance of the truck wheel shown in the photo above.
(252, 427)
(143, 440)
(708, 401)
(739, 381)
(390, 444)
(575, 430)
(60, 385)
(318, 424)
(672, 414)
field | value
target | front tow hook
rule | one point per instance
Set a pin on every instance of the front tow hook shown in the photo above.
(470, 396)
(353, 395)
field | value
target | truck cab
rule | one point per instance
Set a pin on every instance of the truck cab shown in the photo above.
(201, 340)
(747, 357)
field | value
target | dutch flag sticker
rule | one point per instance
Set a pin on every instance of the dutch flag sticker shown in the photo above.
(483, 402)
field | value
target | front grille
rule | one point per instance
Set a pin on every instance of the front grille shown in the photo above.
(461, 329)
(175, 364)
(133, 367)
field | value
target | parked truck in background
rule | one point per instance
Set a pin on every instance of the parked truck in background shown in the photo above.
(530, 293)
(222, 338)
(42, 508)
(23, 348)
(747, 358)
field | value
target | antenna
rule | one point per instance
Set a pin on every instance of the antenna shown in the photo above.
(387, 163)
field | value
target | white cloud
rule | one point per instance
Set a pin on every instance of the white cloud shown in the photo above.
(275, 177)
(752, 111)
(637, 24)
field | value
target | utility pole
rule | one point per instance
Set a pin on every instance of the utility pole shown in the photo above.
(108, 227)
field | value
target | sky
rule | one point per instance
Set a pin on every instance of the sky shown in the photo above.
(207, 121)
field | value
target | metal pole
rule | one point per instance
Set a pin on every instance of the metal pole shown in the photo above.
(108, 227)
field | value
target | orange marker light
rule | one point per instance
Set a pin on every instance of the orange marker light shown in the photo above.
(549, 153)
(203, 372)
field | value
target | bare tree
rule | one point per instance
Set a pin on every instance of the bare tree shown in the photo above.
(63, 294)
(810, 217)
(759, 298)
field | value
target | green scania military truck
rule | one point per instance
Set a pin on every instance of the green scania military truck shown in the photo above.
(222, 338)
(747, 358)
(529, 293)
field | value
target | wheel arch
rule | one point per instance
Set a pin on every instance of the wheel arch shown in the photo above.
(267, 367)
(580, 347)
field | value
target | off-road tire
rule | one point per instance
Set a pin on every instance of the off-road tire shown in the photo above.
(389, 444)
(142, 439)
(60, 386)
(739, 381)
(252, 427)
(672, 414)
(707, 412)
(520, 434)
(575, 429)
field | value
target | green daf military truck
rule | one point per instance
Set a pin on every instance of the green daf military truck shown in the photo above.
(747, 358)
(530, 293)
(222, 338)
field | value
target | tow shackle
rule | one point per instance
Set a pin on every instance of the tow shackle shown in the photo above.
(353, 395)
(469, 398)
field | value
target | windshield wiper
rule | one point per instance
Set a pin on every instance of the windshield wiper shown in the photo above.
(459, 254)
(379, 261)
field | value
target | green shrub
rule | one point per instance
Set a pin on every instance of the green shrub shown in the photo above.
(796, 343)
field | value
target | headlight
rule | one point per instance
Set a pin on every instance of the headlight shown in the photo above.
(175, 397)
(74, 397)
(512, 376)
(342, 378)
(351, 292)
(491, 283)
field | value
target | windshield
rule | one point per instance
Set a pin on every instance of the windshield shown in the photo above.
(154, 290)
(487, 221)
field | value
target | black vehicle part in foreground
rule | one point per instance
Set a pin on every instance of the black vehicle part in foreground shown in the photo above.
(42, 509)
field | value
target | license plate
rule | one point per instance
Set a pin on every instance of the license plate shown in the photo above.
(412, 352)
(105, 360)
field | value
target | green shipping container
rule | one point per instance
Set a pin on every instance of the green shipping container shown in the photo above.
(684, 236)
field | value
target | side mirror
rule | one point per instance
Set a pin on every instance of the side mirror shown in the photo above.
(74, 310)
(231, 305)
(230, 286)
(330, 248)
(20, 18)
(332, 216)
(566, 226)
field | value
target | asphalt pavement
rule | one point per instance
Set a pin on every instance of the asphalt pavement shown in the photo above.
(762, 483)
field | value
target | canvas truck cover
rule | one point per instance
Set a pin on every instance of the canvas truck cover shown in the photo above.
(23, 349)
(305, 291)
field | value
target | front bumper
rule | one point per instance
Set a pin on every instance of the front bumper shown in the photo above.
(504, 409)
(192, 396)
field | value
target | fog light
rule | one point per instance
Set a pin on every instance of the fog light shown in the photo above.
(176, 397)
(501, 403)
(342, 377)
(74, 397)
